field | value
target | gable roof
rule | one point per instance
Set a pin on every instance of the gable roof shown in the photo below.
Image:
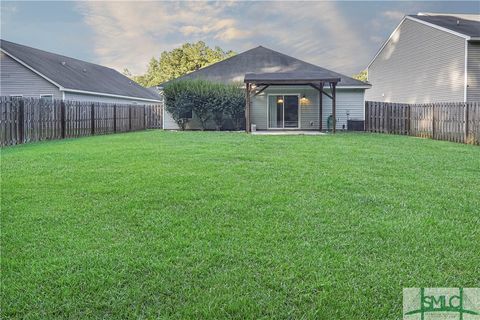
(442, 21)
(75, 75)
(466, 24)
(264, 60)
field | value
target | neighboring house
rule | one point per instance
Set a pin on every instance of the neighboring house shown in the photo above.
(291, 100)
(30, 72)
(428, 58)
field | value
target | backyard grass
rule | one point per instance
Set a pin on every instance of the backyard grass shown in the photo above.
(227, 225)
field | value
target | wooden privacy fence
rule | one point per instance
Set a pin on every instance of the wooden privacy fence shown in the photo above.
(27, 120)
(457, 122)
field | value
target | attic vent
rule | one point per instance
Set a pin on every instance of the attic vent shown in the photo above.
(458, 22)
(84, 70)
(63, 63)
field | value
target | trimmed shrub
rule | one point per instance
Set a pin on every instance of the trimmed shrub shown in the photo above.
(206, 100)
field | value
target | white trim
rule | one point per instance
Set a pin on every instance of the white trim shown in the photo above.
(439, 28)
(30, 68)
(419, 21)
(283, 110)
(107, 95)
(363, 111)
(73, 90)
(63, 95)
(466, 73)
(163, 117)
(351, 87)
(48, 95)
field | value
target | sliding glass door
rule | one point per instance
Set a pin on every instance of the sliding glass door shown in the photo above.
(283, 112)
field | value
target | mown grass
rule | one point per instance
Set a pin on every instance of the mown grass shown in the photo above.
(227, 225)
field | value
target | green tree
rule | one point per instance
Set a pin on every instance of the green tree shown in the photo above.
(362, 76)
(177, 62)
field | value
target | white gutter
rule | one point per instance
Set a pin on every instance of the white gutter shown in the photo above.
(107, 95)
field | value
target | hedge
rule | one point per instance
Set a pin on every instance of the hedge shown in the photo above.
(207, 101)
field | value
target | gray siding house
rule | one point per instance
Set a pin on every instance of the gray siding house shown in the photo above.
(428, 58)
(30, 72)
(291, 106)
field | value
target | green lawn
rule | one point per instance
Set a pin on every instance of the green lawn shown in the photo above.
(227, 225)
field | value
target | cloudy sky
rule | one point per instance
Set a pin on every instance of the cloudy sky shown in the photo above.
(339, 35)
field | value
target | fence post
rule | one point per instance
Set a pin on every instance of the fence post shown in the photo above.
(92, 118)
(144, 117)
(129, 118)
(62, 119)
(21, 124)
(409, 120)
(114, 118)
(433, 120)
(466, 122)
(388, 112)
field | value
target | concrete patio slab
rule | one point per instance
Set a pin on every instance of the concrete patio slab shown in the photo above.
(288, 133)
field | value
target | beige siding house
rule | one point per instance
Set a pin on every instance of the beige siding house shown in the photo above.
(428, 58)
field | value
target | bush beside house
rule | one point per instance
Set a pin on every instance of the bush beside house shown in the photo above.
(206, 101)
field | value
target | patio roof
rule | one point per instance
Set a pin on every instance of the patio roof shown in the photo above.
(290, 78)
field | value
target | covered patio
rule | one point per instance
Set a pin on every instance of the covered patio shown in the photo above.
(256, 83)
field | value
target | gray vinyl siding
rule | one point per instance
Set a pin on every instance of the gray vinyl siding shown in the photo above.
(192, 124)
(419, 64)
(15, 79)
(473, 71)
(350, 106)
(348, 100)
(168, 122)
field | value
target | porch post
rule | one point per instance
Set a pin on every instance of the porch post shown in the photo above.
(320, 107)
(334, 106)
(247, 107)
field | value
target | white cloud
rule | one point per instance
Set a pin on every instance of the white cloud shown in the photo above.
(128, 34)
(394, 15)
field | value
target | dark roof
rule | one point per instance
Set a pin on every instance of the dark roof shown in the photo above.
(76, 74)
(292, 76)
(263, 60)
(460, 23)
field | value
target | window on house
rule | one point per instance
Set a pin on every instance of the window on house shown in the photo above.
(46, 98)
(16, 96)
(188, 115)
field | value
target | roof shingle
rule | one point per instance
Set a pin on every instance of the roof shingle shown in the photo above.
(264, 60)
(468, 25)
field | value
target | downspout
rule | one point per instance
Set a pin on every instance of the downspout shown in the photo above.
(466, 72)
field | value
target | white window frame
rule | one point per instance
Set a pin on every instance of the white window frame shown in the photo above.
(299, 111)
(46, 96)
